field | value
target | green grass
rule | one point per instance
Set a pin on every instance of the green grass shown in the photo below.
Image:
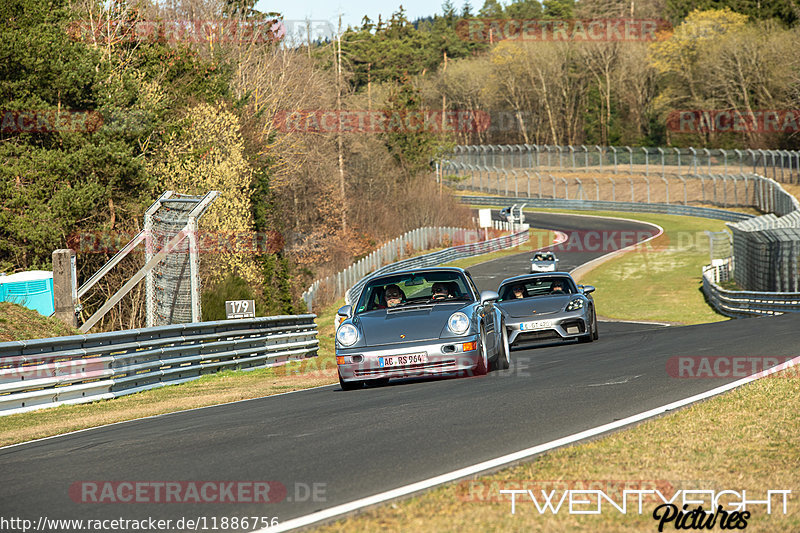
(19, 323)
(660, 281)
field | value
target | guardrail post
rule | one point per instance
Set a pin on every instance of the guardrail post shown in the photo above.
(678, 151)
(600, 156)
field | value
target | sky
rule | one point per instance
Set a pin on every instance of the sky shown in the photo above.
(327, 11)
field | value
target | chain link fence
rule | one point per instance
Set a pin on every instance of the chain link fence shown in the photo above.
(780, 165)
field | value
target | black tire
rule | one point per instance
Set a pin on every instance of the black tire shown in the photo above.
(378, 382)
(595, 334)
(589, 337)
(483, 363)
(350, 385)
(504, 354)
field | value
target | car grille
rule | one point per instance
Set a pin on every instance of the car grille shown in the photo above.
(449, 364)
(537, 336)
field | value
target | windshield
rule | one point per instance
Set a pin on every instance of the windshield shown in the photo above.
(544, 257)
(414, 288)
(535, 287)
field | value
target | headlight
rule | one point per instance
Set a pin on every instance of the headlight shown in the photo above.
(458, 323)
(347, 335)
(575, 304)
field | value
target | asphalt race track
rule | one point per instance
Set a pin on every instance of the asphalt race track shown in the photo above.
(348, 445)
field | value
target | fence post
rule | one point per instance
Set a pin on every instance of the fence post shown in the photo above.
(65, 286)
(630, 157)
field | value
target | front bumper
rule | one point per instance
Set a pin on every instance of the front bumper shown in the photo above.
(564, 326)
(542, 268)
(442, 357)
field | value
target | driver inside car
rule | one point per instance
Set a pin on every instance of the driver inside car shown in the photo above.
(393, 296)
(558, 287)
(439, 291)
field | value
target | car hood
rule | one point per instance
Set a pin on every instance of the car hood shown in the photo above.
(407, 325)
(543, 305)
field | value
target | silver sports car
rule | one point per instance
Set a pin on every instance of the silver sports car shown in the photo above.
(544, 262)
(547, 306)
(423, 322)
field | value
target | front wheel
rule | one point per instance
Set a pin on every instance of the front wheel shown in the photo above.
(377, 382)
(350, 385)
(595, 334)
(504, 357)
(483, 363)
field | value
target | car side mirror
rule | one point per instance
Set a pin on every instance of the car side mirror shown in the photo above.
(342, 314)
(489, 296)
(587, 289)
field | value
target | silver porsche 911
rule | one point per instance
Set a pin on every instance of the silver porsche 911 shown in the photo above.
(547, 306)
(429, 321)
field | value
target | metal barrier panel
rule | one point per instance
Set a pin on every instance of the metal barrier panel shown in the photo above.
(84, 368)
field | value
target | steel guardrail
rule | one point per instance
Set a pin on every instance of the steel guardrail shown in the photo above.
(603, 205)
(743, 304)
(41, 373)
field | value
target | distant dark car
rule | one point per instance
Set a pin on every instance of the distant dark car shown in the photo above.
(547, 306)
(422, 322)
(505, 214)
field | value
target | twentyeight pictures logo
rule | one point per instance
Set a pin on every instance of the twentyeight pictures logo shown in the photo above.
(581, 30)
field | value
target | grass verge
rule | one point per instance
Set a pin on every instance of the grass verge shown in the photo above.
(20, 323)
(747, 439)
(661, 280)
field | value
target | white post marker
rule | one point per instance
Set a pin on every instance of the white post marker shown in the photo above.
(485, 221)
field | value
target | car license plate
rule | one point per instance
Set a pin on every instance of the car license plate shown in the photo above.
(402, 360)
(537, 324)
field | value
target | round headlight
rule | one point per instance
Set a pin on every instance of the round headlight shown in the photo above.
(347, 335)
(458, 323)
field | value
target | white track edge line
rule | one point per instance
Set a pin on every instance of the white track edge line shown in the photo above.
(512, 457)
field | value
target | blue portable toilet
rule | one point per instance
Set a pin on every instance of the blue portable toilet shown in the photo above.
(32, 289)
